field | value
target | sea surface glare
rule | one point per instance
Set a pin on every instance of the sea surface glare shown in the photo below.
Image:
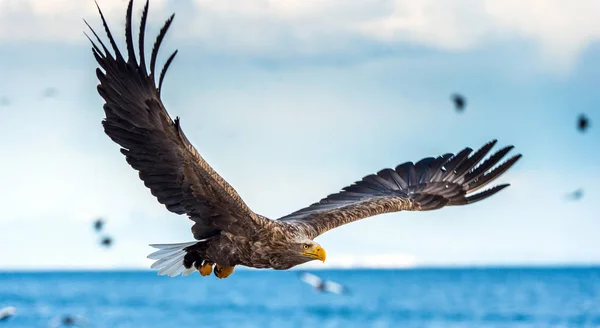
(252, 298)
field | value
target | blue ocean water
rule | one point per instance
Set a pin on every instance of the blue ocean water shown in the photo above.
(264, 298)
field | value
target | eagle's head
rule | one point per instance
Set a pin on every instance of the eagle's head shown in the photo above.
(305, 250)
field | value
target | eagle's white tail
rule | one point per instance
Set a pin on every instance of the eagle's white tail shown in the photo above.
(170, 259)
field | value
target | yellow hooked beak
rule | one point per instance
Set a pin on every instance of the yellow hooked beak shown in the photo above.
(317, 253)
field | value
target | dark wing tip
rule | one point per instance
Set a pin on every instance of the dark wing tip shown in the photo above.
(158, 42)
(473, 160)
(128, 35)
(164, 70)
(109, 34)
(106, 52)
(141, 35)
(476, 173)
(486, 193)
(492, 174)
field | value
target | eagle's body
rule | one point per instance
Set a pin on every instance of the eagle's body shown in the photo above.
(227, 231)
(266, 249)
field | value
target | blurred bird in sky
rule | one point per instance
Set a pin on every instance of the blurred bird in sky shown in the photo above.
(98, 224)
(459, 102)
(575, 195)
(106, 241)
(7, 312)
(322, 285)
(583, 123)
(69, 321)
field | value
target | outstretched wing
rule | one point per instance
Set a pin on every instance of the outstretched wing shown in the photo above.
(429, 184)
(155, 145)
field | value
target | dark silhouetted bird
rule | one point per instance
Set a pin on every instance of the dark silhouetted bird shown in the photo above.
(459, 102)
(583, 123)
(98, 224)
(68, 321)
(321, 285)
(106, 241)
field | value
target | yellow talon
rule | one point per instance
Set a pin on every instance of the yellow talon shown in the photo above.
(205, 269)
(223, 271)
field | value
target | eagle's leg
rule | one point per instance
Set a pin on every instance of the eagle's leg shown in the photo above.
(223, 271)
(205, 269)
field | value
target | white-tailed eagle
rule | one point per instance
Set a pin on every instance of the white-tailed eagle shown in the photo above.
(227, 231)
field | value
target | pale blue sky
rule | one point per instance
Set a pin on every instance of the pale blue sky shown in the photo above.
(290, 104)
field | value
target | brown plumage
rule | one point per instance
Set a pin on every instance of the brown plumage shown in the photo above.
(226, 230)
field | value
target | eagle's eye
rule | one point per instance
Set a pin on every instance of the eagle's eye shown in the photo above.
(305, 246)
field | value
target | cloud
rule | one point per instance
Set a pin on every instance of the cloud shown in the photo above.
(563, 29)
(58, 20)
(559, 29)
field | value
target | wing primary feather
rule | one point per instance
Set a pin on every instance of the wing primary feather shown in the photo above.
(375, 179)
(110, 37)
(164, 71)
(486, 165)
(95, 50)
(485, 194)
(159, 38)
(128, 35)
(441, 170)
(435, 166)
(393, 176)
(106, 51)
(141, 38)
(412, 174)
(454, 162)
(492, 175)
(468, 164)
(402, 172)
(421, 168)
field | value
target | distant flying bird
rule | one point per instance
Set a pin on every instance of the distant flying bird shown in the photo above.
(323, 285)
(227, 231)
(7, 312)
(459, 102)
(98, 224)
(70, 321)
(576, 195)
(583, 123)
(106, 241)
